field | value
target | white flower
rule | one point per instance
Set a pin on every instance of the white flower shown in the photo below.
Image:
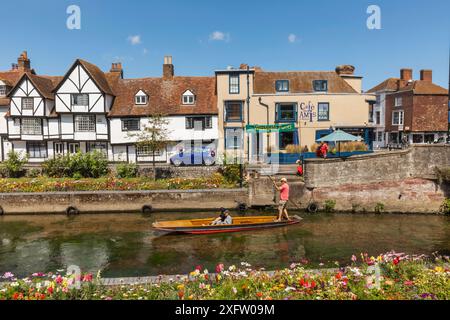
(234, 290)
(289, 289)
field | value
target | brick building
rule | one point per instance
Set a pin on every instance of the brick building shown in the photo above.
(415, 110)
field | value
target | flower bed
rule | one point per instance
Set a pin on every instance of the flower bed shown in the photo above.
(400, 277)
(43, 184)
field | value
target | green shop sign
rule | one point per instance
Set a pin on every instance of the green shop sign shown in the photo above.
(270, 127)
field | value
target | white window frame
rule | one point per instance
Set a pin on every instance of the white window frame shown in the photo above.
(140, 99)
(39, 149)
(31, 126)
(398, 101)
(126, 128)
(144, 151)
(73, 147)
(27, 103)
(58, 148)
(3, 90)
(76, 103)
(401, 117)
(85, 123)
(234, 83)
(188, 98)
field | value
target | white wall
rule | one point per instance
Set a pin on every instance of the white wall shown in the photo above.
(26, 89)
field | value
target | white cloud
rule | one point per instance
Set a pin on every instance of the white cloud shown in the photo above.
(219, 36)
(292, 38)
(134, 40)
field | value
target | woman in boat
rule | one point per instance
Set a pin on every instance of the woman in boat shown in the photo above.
(224, 218)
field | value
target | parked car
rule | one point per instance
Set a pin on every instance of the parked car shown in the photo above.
(192, 157)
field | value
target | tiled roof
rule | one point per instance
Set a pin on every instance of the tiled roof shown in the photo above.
(390, 84)
(300, 81)
(9, 78)
(45, 84)
(417, 86)
(97, 75)
(164, 96)
(4, 101)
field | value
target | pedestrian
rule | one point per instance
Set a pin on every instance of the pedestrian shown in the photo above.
(284, 198)
(324, 149)
(305, 149)
(299, 168)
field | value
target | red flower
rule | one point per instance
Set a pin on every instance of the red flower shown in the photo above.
(259, 294)
(59, 279)
(180, 294)
(396, 261)
(199, 268)
(50, 290)
(87, 277)
(313, 284)
(15, 296)
(338, 275)
(220, 267)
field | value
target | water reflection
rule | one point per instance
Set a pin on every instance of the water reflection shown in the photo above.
(125, 245)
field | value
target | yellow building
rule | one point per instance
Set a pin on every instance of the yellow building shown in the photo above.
(303, 106)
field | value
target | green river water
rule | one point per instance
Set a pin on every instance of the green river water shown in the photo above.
(126, 245)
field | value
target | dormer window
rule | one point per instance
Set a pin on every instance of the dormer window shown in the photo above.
(141, 98)
(320, 85)
(188, 97)
(282, 85)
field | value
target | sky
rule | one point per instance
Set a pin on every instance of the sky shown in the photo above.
(205, 35)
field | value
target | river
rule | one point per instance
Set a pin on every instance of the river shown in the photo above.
(126, 245)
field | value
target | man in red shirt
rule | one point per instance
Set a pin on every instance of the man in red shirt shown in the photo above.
(324, 149)
(284, 198)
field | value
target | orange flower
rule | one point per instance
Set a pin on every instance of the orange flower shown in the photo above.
(259, 294)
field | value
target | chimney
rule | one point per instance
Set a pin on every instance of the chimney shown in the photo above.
(116, 67)
(23, 62)
(243, 66)
(426, 75)
(406, 74)
(168, 69)
(345, 70)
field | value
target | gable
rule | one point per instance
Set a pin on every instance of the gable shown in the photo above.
(77, 80)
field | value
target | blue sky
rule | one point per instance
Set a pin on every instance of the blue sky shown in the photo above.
(205, 35)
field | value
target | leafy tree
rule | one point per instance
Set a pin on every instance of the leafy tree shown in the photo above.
(13, 166)
(154, 136)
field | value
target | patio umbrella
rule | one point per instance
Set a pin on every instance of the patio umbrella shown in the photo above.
(339, 136)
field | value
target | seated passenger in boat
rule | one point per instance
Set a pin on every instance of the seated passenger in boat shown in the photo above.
(224, 218)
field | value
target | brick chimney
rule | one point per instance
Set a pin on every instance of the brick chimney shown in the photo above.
(426, 75)
(243, 66)
(23, 63)
(345, 69)
(168, 69)
(406, 74)
(116, 67)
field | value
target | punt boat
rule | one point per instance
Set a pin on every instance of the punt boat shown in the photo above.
(203, 226)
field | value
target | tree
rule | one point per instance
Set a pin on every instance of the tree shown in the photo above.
(153, 136)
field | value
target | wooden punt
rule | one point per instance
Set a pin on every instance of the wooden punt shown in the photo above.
(203, 226)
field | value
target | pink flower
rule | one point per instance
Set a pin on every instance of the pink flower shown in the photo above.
(59, 279)
(354, 258)
(408, 283)
(8, 275)
(199, 268)
(87, 277)
(220, 267)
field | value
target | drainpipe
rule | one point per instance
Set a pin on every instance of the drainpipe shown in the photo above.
(268, 133)
(248, 112)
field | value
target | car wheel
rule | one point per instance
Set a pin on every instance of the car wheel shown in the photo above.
(177, 162)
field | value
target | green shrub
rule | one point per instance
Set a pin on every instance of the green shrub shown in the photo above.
(445, 207)
(329, 205)
(13, 166)
(127, 170)
(379, 207)
(80, 165)
(33, 173)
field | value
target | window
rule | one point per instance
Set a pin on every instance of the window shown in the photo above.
(145, 151)
(233, 138)
(97, 146)
(286, 138)
(198, 123)
(140, 98)
(418, 138)
(233, 111)
(58, 148)
(234, 83)
(37, 149)
(2, 90)
(397, 118)
(188, 97)
(131, 124)
(74, 148)
(85, 123)
(286, 112)
(27, 103)
(379, 136)
(377, 117)
(398, 101)
(323, 113)
(80, 99)
(282, 85)
(31, 126)
(320, 85)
